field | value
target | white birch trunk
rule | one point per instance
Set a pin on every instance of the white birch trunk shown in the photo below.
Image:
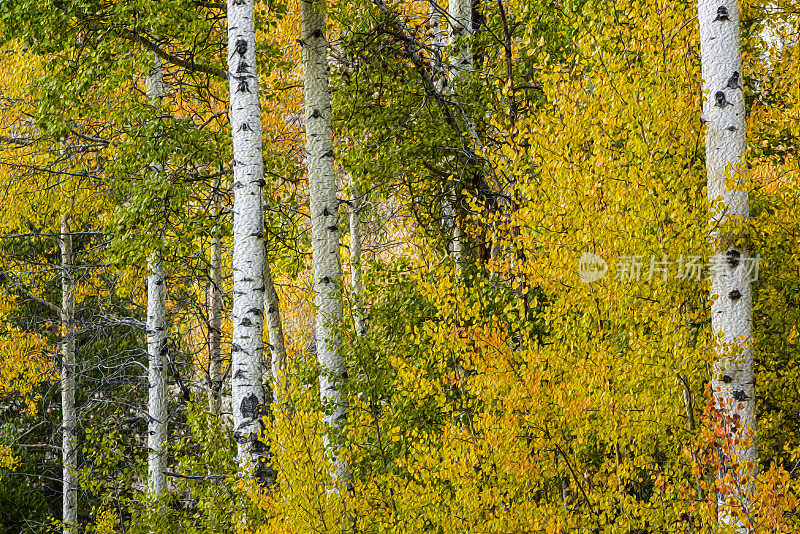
(732, 304)
(276, 340)
(156, 340)
(455, 245)
(324, 226)
(356, 204)
(69, 432)
(458, 237)
(215, 299)
(460, 15)
(157, 398)
(437, 43)
(248, 242)
(460, 22)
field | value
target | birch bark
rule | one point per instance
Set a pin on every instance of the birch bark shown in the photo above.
(247, 388)
(276, 339)
(324, 227)
(215, 323)
(460, 19)
(460, 23)
(156, 339)
(437, 43)
(356, 204)
(69, 432)
(732, 305)
(157, 398)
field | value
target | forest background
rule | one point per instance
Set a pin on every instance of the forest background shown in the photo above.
(470, 380)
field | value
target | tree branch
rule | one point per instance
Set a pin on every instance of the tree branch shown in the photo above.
(175, 60)
(19, 141)
(195, 477)
(30, 295)
(136, 37)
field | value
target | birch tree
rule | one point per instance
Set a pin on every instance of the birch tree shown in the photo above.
(437, 42)
(460, 26)
(69, 443)
(277, 344)
(460, 21)
(248, 241)
(215, 299)
(356, 205)
(157, 387)
(324, 226)
(156, 339)
(732, 304)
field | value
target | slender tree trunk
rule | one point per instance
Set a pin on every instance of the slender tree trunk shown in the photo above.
(437, 46)
(215, 298)
(156, 339)
(247, 346)
(276, 340)
(732, 305)
(157, 399)
(324, 226)
(460, 17)
(69, 419)
(356, 204)
(460, 22)
(452, 224)
(437, 43)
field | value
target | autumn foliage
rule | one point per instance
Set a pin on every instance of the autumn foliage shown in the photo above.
(494, 392)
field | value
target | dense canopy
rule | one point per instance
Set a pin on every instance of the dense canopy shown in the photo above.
(399, 266)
